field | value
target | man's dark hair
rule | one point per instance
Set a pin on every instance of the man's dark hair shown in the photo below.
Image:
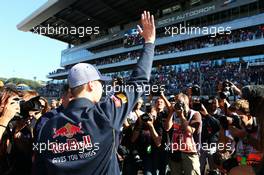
(255, 96)
(77, 90)
(65, 89)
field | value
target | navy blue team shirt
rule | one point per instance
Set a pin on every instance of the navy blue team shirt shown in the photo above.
(83, 138)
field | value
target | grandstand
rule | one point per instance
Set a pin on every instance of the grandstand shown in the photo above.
(113, 44)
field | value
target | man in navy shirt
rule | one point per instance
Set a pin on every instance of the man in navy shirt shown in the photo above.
(84, 137)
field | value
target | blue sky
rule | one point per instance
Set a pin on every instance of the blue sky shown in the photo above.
(24, 54)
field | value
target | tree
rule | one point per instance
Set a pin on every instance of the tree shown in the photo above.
(30, 83)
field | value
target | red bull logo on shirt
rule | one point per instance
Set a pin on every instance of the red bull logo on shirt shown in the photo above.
(71, 143)
(68, 130)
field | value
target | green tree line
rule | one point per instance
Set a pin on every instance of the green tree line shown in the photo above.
(30, 83)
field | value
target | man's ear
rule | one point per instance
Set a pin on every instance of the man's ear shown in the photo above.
(89, 86)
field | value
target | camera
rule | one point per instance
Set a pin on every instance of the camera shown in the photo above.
(226, 90)
(233, 120)
(196, 90)
(136, 157)
(31, 105)
(179, 106)
(197, 103)
(131, 154)
(147, 116)
(123, 151)
(172, 99)
(224, 94)
(214, 172)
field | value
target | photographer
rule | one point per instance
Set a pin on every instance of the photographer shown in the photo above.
(146, 138)
(225, 90)
(128, 151)
(210, 133)
(163, 108)
(245, 153)
(9, 106)
(186, 128)
(255, 96)
(15, 145)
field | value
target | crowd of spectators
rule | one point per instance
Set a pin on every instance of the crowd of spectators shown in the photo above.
(133, 40)
(239, 35)
(196, 43)
(51, 90)
(206, 74)
(115, 59)
(207, 77)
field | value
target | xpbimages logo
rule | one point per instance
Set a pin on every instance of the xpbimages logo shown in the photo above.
(192, 30)
(63, 30)
(72, 144)
(146, 89)
(172, 147)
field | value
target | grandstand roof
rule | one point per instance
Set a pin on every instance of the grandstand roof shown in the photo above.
(74, 13)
